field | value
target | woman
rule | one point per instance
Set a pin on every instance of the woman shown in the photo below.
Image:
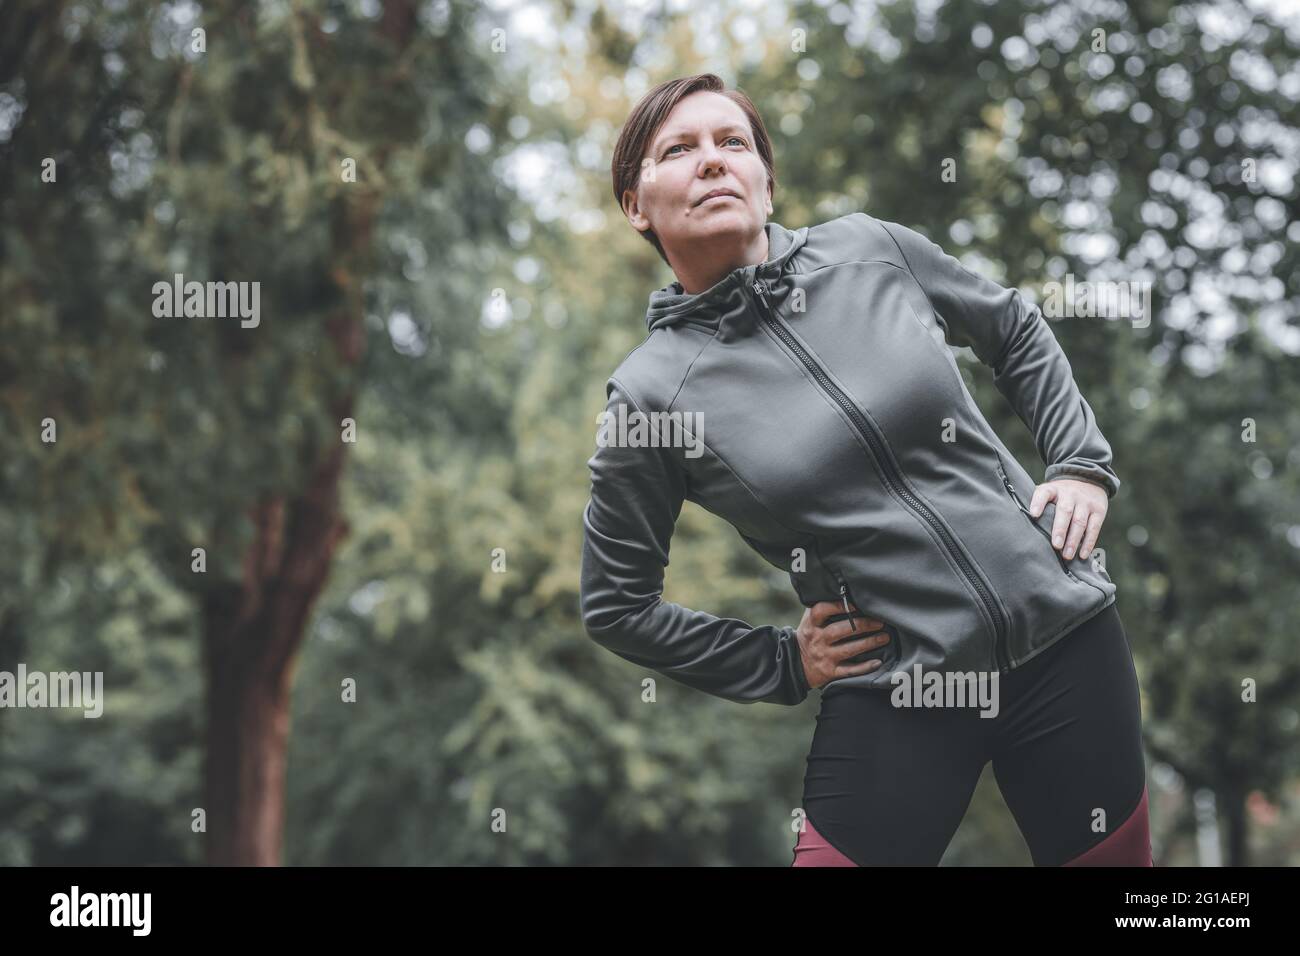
(798, 385)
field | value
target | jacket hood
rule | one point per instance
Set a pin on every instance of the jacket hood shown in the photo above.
(671, 303)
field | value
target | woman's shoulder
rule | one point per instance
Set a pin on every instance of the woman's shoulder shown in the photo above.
(853, 237)
(651, 375)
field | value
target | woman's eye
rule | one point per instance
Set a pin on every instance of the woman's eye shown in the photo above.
(669, 150)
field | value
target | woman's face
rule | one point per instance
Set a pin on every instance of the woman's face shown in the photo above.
(705, 144)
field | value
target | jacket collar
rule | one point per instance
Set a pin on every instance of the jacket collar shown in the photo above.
(728, 295)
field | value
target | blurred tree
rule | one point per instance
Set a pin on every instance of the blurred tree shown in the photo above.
(290, 145)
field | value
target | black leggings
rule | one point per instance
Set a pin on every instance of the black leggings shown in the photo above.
(888, 785)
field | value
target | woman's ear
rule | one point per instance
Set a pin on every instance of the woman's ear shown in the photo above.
(632, 209)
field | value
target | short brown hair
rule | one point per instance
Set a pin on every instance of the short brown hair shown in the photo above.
(648, 116)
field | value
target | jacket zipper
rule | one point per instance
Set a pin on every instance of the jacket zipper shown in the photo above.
(844, 595)
(893, 632)
(892, 478)
(1011, 490)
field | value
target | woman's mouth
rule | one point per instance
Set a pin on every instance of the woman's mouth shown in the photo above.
(713, 199)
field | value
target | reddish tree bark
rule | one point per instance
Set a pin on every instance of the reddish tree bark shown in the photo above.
(252, 632)
(251, 636)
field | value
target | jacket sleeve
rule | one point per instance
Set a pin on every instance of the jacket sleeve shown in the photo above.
(636, 496)
(1011, 336)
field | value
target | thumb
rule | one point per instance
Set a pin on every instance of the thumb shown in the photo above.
(1042, 495)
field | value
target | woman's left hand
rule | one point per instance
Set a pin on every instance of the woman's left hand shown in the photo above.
(1080, 510)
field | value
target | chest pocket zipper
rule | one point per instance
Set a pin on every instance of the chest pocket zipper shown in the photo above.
(1006, 483)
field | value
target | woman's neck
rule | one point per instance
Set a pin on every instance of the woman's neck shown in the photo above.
(702, 269)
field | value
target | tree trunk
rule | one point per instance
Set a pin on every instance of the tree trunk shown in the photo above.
(251, 637)
(252, 632)
(248, 729)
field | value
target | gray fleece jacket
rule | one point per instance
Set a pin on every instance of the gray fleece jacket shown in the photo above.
(814, 403)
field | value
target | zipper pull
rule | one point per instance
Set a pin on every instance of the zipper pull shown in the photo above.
(844, 594)
(1014, 497)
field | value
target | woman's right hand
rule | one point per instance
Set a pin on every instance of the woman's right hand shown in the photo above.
(823, 658)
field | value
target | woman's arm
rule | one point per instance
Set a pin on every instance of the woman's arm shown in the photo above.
(636, 496)
(1029, 367)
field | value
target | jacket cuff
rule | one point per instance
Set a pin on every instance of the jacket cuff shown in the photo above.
(1096, 475)
(790, 648)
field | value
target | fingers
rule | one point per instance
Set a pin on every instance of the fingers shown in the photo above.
(824, 609)
(852, 670)
(851, 649)
(1061, 523)
(1090, 539)
(831, 645)
(1078, 527)
(1080, 511)
(1076, 523)
(1042, 495)
(860, 624)
(862, 645)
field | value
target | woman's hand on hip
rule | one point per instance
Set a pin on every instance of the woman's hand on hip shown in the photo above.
(824, 658)
(1080, 510)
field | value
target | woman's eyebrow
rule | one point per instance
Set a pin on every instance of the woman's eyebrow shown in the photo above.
(664, 137)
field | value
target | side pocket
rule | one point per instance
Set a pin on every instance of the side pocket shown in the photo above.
(888, 655)
(1011, 491)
